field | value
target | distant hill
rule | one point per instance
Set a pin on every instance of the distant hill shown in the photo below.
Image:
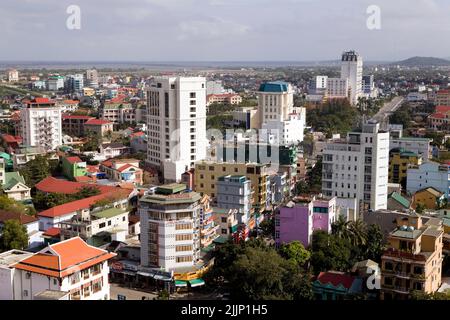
(423, 62)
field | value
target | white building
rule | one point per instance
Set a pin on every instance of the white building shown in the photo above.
(41, 124)
(420, 146)
(358, 167)
(235, 192)
(13, 75)
(169, 220)
(55, 83)
(70, 266)
(7, 261)
(428, 174)
(337, 88)
(176, 124)
(74, 83)
(352, 69)
(277, 116)
(318, 84)
(92, 78)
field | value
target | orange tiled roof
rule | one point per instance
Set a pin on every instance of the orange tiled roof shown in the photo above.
(64, 258)
(74, 206)
(53, 185)
(97, 122)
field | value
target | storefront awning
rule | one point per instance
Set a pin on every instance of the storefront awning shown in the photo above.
(196, 283)
(180, 283)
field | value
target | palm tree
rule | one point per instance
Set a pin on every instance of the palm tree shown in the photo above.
(340, 227)
(357, 232)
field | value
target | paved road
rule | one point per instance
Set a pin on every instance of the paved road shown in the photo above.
(130, 294)
(388, 108)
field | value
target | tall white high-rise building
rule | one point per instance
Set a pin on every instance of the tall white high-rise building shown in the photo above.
(277, 114)
(352, 69)
(176, 121)
(74, 83)
(13, 75)
(337, 88)
(358, 167)
(41, 124)
(92, 78)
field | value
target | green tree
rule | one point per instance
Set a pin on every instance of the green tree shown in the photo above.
(268, 227)
(295, 252)
(357, 232)
(86, 192)
(340, 227)
(14, 236)
(329, 252)
(375, 243)
(420, 208)
(93, 142)
(36, 170)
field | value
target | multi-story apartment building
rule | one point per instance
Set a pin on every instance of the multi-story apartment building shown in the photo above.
(337, 88)
(70, 266)
(118, 112)
(74, 124)
(352, 69)
(235, 192)
(428, 174)
(12, 75)
(358, 167)
(413, 260)
(399, 161)
(207, 174)
(40, 123)
(297, 220)
(170, 228)
(176, 124)
(420, 146)
(318, 85)
(208, 226)
(279, 120)
(92, 78)
(55, 83)
(74, 83)
(442, 98)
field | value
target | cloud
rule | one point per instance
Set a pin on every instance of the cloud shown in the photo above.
(211, 29)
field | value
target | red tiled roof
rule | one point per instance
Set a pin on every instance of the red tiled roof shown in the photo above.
(65, 258)
(23, 218)
(127, 166)
(92, 168)
(440, 109)
(336, 279)
(42, 100)
(9, 138)
(52, 232)
(71, 101)
(85, 179)
(73, 160)
(79, 117)
(74, 206)
(437, 116)
(53, 185)
(137, 134)
(97, 122)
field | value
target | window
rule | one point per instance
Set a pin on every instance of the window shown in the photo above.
(224, 231)
(109, 222)
(184, 259)
(224, 220)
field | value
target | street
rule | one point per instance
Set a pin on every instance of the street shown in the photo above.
(388, 108)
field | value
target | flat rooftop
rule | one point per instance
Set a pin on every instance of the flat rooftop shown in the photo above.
(108, 213)
(11, 257)
(51, 295)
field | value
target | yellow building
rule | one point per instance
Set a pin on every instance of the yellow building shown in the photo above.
(429, 197)
(399, 160)
(413, 260)
(207, 173)
(89, 92)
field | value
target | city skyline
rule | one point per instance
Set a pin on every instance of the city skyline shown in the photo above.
(212, 30)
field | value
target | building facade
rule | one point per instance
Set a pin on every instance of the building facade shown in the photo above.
(428, 174)
(176, 124)
(352, 69)
(358, 167)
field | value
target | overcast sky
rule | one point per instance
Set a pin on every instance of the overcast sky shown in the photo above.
(222, 30)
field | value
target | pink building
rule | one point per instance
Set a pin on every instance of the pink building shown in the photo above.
(301, 217)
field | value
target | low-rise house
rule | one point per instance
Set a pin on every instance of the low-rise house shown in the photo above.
(73, 167)
(397, 202)
(70, 266)
(123, 170)
(138, 142)
(99, 127)
(430, 198)
(25, 154)
(14, 186)
(112, 150)
(335, 285)
(12, 142)
(74, 124)
(31, 223)
(88, 223)
(54, 216)
(227, 221)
